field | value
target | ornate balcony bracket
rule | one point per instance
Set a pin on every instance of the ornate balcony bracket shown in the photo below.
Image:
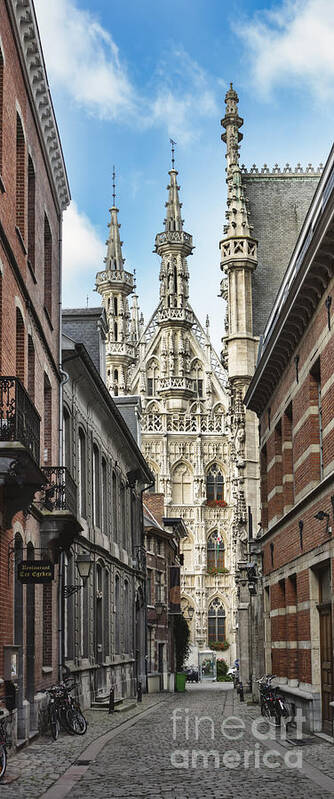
(58, 509)
(21, 479)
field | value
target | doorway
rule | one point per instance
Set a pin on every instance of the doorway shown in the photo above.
(326, 648)
(161, 665)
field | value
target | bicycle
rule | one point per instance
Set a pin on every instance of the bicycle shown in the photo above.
(74, 718)
(53, 715)
(273, 705)
(4, 743)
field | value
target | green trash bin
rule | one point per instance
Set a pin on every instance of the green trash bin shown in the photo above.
(180, 681)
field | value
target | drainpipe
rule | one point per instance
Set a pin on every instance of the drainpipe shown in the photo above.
(63, 379)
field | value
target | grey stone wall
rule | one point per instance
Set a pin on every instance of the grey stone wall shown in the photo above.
(278, 205)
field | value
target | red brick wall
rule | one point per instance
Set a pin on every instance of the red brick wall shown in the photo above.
(155, 503)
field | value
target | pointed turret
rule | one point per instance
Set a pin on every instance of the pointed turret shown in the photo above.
(173, 246)
(135, 324)
(237, 204)
(115, 284)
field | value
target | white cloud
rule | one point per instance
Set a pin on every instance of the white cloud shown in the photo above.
(294, 43)
(83, 253)
(83, 60)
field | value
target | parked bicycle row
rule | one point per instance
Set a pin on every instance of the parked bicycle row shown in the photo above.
(64, 710)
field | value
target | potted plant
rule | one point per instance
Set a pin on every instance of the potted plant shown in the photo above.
(219, 646)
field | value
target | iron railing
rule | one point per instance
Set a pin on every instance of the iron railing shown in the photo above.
(19, 419)
(61, 490)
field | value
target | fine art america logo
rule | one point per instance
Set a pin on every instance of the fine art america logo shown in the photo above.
(259, 751)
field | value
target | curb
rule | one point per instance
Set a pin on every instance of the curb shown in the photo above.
(79, 767)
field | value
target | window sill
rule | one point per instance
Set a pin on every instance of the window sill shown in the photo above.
(20, 238)
(31, 271)
(47, 669)
(48, 317)
(2, 186)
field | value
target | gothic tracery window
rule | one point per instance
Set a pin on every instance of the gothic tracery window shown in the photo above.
(214, 484)
(215, 552)
(216, 622)
(182, 485)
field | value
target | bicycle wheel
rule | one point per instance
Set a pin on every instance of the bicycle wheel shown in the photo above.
(266, 713)
(75, 721)
(54, 722)
(3, 760)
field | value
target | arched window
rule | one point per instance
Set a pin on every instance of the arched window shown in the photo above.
(96, 486)
(104, 509)
(106, 612)
(47, 267)
(31, 213)
(182, 485)
(82, 473)
(20, 176)
(31, 368)
(117, 616)
(20, 359)
(215, 553)
(216, 622)
(214, 484)
(152, 379)
(116, 382)
(30, 631)
(114, 500)
(47, 421)
(126, 617)
(66, 438)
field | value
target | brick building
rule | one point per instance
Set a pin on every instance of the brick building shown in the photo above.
(33, 194)
(162, 543)
(292, 393)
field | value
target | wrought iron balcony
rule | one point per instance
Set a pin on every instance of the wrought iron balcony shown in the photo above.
(19, 419)
(60, 490)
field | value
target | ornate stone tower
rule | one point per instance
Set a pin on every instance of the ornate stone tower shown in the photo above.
(115, 284)
(238, 261)
(185, 436)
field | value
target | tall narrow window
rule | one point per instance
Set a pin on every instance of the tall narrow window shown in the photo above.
(31, 368)
(47, 421)
(47, 624)
(264, 487)
(158, 585)
(215, 553)
(316, 399)
(20, 359)
(126, 616)
(20, 177)
(1, 110)
(149, 587)
(115, 306)
(117, 616)
(104, 508)
(216, 622)
(82, 474)
(214, 484)
(96, 486)
(123, 514)
(66, 438)
(114, 505)
(47, 267)
(31, 213)
(106, 612)
(115, 331)
(1, 322)
(116, 382)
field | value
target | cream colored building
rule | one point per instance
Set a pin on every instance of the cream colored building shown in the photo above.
(171, 364)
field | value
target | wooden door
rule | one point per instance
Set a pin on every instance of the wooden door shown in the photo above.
(326, 663)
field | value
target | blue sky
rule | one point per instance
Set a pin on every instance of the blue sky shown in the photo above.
(125, 76)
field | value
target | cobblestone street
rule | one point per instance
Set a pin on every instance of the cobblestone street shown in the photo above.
(185, 746)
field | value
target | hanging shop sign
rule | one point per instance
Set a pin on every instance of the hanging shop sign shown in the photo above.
(35, 571)
(174, 590)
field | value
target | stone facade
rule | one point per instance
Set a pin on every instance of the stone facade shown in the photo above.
(184, 422)
(104, 622)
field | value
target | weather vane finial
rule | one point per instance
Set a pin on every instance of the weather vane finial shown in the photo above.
(173, 143)
(114, 185)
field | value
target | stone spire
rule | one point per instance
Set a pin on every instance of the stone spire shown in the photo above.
(114, 258)
(135, 323)
(237, 204)
(173, 246)
(115, 284)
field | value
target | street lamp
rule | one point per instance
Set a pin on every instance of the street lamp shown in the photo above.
(159, 608)
(83, 564)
